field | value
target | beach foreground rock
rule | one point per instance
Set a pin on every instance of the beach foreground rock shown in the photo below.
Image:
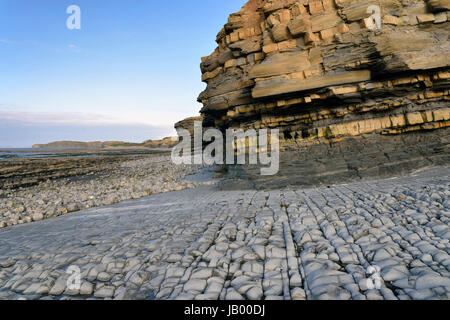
(42, 188)
(319, 243)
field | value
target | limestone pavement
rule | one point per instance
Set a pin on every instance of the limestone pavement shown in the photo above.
(204, 243)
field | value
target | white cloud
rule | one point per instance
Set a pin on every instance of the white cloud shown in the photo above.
(74, 48)
(63, 118)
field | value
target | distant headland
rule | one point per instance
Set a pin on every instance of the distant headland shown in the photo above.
(167, 142)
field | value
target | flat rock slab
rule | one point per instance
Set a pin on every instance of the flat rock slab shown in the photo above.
(333, 242)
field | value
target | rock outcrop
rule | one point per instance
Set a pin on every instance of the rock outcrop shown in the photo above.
(324, 72)
(188, 123)
(167, 142)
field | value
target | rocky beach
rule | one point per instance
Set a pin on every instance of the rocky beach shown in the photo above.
(204, 243)
(357, 95)
(33, 189)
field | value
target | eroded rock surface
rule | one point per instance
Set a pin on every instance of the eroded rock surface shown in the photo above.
(207, 244)
(318, 72)
(42, 188)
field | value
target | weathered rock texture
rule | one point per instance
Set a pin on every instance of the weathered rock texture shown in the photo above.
(167, 142)
(188, 124)
(319, 73)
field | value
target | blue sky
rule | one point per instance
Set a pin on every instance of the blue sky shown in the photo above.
(133, 64)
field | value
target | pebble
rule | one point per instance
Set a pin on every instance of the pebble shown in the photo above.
(86, 288)
(127, 179)
(138, 278)
(395, 272)
(233, 295)
(195, 285)
(59, 287)
(202, 274)
(105, 292)
(104, 277)
(429, 281)
(255, 293)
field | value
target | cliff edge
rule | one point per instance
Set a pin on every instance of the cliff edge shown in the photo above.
(356, 87)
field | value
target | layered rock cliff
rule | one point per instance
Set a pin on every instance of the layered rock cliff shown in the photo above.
(188, 124)
(322, 72)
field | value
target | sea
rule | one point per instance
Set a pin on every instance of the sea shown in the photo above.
(14, 153)
(20, 153)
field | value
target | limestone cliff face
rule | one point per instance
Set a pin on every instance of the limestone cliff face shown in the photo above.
(319, 72)
(350, 100)
(188, 124)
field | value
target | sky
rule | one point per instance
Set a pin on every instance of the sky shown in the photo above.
(129, 73)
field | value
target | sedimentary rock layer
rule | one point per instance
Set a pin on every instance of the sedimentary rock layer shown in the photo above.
(323, 72)
(317, 70)
(353, 158)
(188, 123)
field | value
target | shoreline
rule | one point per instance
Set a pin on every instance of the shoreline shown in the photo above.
(7, 154)
(206, 244)
(41, 188)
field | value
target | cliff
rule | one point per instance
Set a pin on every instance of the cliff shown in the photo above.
(77, 145)
(188, 123)
(329, 80)
(163, 143)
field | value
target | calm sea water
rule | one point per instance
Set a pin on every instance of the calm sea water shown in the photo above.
(17, 153)
(11, 153)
